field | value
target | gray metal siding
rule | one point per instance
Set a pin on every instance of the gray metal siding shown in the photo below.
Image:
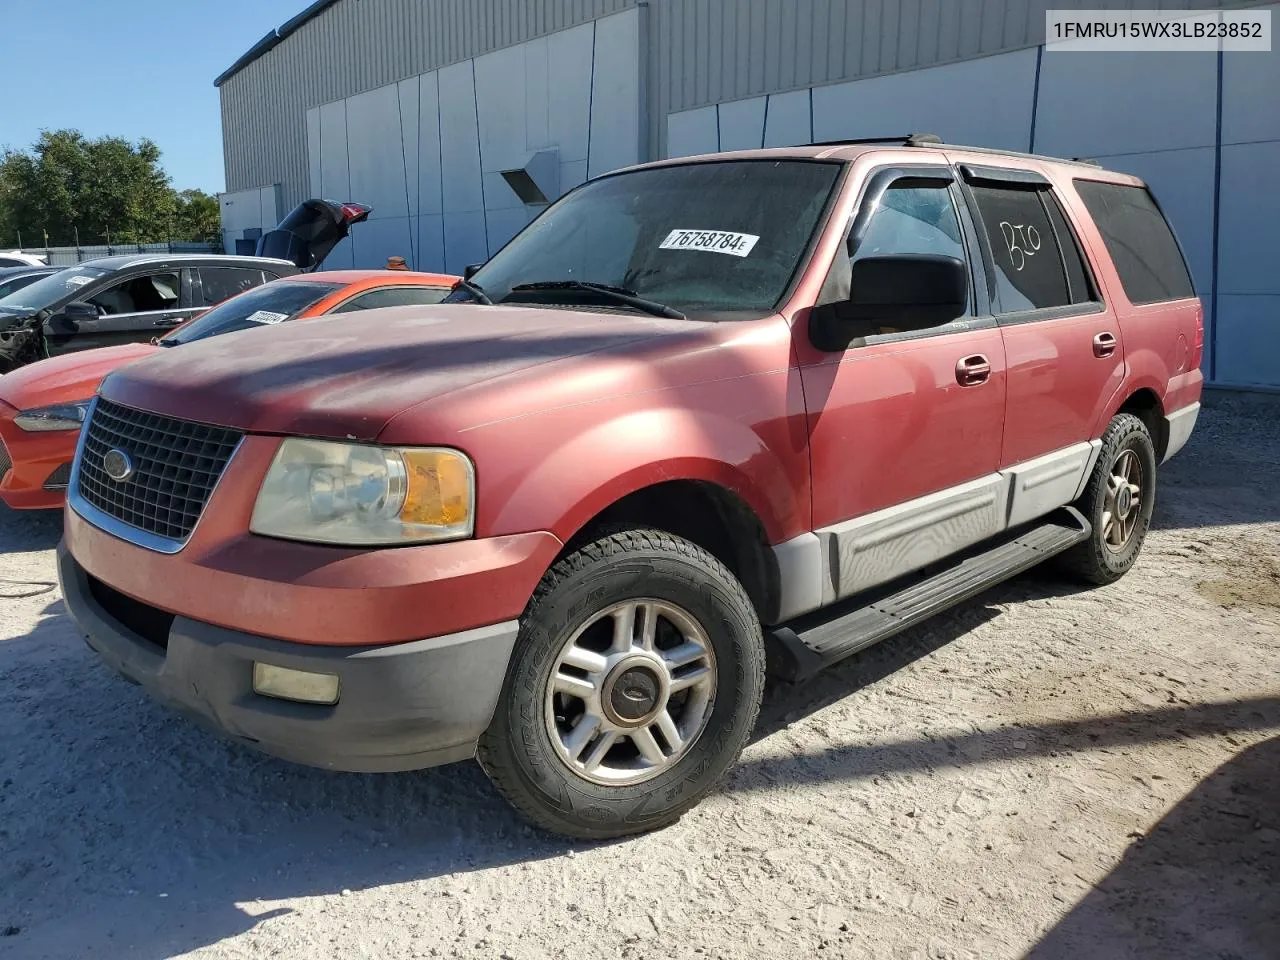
(700, 52)
(710, 51)
(356, 46)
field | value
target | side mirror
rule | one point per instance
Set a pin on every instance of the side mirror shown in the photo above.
(78, 311)
(904, 292)
(470, 270)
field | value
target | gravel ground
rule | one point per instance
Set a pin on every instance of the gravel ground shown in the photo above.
(1044, 771)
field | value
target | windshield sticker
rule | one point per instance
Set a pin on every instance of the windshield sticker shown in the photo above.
(710, 241)
(266, 316)
(79, 281)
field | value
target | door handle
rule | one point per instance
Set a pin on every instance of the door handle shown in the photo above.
(168, 321)
(1104, 344)
(973, 370)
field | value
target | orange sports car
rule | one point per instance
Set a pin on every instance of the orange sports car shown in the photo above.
(42, 404)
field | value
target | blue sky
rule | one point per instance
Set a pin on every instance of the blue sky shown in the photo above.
(129, 68)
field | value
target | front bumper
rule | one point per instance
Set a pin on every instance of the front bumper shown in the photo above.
(401, 707)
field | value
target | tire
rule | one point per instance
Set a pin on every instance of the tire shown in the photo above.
(1110, 551)
(684, 592)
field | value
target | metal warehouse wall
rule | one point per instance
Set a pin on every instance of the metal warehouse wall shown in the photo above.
(699, 52)
(356, 46)
(706, 51)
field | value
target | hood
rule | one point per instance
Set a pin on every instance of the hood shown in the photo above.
(66, 378)
(345, 376)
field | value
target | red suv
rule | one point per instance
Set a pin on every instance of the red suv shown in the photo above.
(781, 402)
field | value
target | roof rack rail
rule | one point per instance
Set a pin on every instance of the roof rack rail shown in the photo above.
(1007, 153)
(933, 140)
(910, 140)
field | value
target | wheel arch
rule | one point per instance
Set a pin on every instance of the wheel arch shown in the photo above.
(708, 514)
(1145, 404)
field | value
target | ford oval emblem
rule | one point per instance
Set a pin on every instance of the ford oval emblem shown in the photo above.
(117, 465)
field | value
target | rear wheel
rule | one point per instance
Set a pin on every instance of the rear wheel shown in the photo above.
(1118, 501)
(633, 687)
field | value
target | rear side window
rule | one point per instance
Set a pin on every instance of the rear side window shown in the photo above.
(397, 296)
(1036, 258)
(223, 283)
(1138, 237)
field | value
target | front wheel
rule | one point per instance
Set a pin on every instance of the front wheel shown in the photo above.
(633, 687)
(1118, 501)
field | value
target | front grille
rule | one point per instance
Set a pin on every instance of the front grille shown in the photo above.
(59, 478)
(150, 623)
(175, 466)
(5, 462)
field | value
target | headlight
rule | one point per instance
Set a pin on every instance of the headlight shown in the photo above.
(60, 416)
(358, 494)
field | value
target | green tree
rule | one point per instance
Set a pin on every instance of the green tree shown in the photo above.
(103, 188)
(197, 217)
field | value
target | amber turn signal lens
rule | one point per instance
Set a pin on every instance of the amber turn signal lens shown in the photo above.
(439, 488)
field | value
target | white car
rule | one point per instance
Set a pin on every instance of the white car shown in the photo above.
(12, 258)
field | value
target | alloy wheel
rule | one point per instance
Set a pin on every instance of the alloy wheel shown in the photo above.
(630, 692)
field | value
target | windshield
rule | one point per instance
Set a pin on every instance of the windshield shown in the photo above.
(272, 303)
(47, 291)
(702, 238)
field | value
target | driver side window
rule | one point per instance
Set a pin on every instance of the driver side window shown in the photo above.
(910, 218)
(151, 292)
(913, 219)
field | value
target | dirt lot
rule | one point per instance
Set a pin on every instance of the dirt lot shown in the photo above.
(1044, 772)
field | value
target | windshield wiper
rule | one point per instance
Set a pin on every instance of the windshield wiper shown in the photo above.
(475, 290)
(164, 342)
(618, 294)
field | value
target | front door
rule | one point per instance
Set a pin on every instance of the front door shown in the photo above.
(132, 309)
(905, 427)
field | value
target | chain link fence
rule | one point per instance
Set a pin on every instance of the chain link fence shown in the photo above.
(67, 256)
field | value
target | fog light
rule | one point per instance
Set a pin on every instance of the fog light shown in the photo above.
(299, 685)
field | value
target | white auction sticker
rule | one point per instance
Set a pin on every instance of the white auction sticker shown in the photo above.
(79, 281)
(710, 241)
(266, 316)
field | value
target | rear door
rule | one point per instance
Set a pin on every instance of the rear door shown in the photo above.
(222, 283)
(904, 428)
(1062, 343)
(131, 308)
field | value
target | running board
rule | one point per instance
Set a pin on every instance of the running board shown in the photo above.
(807, 645)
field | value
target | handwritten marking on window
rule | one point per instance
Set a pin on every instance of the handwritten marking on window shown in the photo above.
(1022, 240)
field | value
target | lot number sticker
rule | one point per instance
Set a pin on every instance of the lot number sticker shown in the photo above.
(710, 241)
(79, 281)
(266, 316)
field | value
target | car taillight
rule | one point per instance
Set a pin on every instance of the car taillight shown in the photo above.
(1197, 348)
(355, 212)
